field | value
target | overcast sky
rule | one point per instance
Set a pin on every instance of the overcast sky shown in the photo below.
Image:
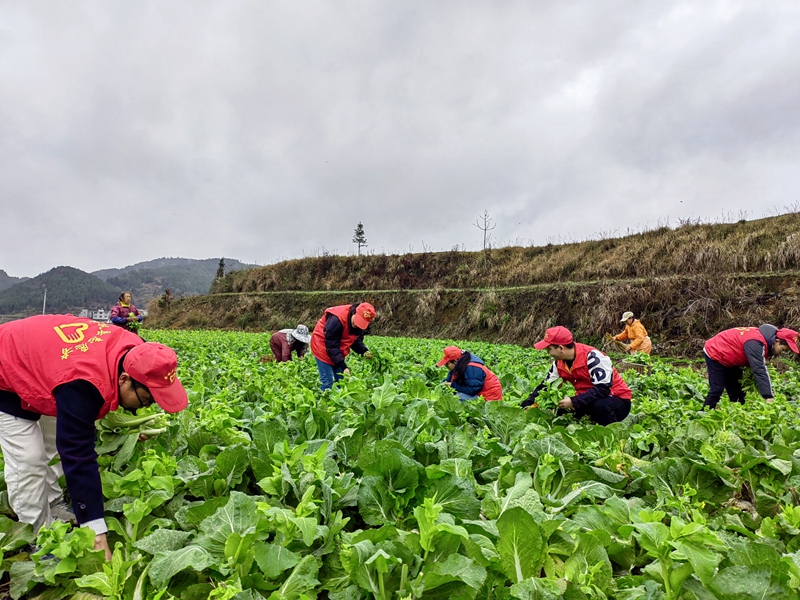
(266, 130)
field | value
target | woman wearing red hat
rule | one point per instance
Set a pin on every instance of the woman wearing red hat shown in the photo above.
(468, 376)
(338, 330)
(58, 375)
(601, 394)
(729, 351)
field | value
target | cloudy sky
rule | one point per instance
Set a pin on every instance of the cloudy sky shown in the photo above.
(264, 130)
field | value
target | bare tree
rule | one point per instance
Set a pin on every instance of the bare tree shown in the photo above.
(484, 223)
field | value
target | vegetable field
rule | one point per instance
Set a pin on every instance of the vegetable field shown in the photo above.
(389, 488)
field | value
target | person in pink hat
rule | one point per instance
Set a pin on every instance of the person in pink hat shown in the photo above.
(58, 375)
(339, 329)
(733, 349)
(600, 392)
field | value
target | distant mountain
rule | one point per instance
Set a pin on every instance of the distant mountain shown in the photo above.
(183, 276)
(68, 290)
(6, 281)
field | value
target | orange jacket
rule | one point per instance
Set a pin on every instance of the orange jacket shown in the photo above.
(634, 333)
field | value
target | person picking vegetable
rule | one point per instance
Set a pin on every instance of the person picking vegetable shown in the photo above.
(283, 342)
(124, 314)
(58, 375)
(468, 375)
(635, 334)
(600, 392)
(730, 350)
(338, 330)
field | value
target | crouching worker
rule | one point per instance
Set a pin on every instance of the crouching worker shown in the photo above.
(730, 350)
(635, 334)
(468, 376)
(284, 342)
(58, 375)
(600, 392)
(339, 329)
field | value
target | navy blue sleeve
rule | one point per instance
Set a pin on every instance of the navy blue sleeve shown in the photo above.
(755, 350)
(78, 405)
(474, 379)
(358, 346)
(530, 400)
(333, 340)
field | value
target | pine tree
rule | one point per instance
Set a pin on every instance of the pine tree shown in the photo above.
(359, 237)
(221, 269)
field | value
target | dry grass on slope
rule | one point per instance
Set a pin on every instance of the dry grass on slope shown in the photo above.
(765, 245)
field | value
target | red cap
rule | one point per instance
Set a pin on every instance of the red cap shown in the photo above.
(555, 336)
(154, 366)
(789, 336)
(365, 312)
(450, 353)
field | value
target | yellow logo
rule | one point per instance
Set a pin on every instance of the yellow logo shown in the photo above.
(367, 315)
(72, 337)
(171, 375)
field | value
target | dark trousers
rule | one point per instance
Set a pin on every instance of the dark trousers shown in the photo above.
(720, 379)
(605, 411)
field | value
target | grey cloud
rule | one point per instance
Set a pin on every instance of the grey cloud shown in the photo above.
(260, 130)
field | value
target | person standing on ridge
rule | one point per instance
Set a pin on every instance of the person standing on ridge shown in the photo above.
(124, 314)
(635, 334)
(338, 330)
(600, 392)
(468, 375)
(729, 351)
(58, 375)
(283, 342)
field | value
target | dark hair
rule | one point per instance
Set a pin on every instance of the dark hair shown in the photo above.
(122, 296)
(136, 384)
(461, 367)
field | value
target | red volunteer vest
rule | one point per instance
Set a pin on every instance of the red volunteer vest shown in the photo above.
(492, 389)
(727, 347)
(318, 337)
(40, 353)
(579, 376)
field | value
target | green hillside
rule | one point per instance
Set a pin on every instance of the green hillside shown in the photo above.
(68, 289)
(183, 276)
(6, 281)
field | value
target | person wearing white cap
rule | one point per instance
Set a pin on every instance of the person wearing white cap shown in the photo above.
(283, 342)
(635, 334)
(58, 375)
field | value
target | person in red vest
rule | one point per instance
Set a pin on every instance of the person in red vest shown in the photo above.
(600, 392)
(58, 375)
(730, 350)
(468, 375)
(338, 330)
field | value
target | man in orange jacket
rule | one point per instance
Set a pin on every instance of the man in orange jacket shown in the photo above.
(58, 375)
(338, 330)
(635, 334)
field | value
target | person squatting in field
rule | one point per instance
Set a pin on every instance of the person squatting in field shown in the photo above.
(338, 330)
(58, 375)
(601, 393)
(468, 375)
(284, 342)
(730, 350)
(635, 334)
(124, 313)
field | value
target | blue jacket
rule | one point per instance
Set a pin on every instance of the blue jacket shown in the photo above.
(474, 378)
